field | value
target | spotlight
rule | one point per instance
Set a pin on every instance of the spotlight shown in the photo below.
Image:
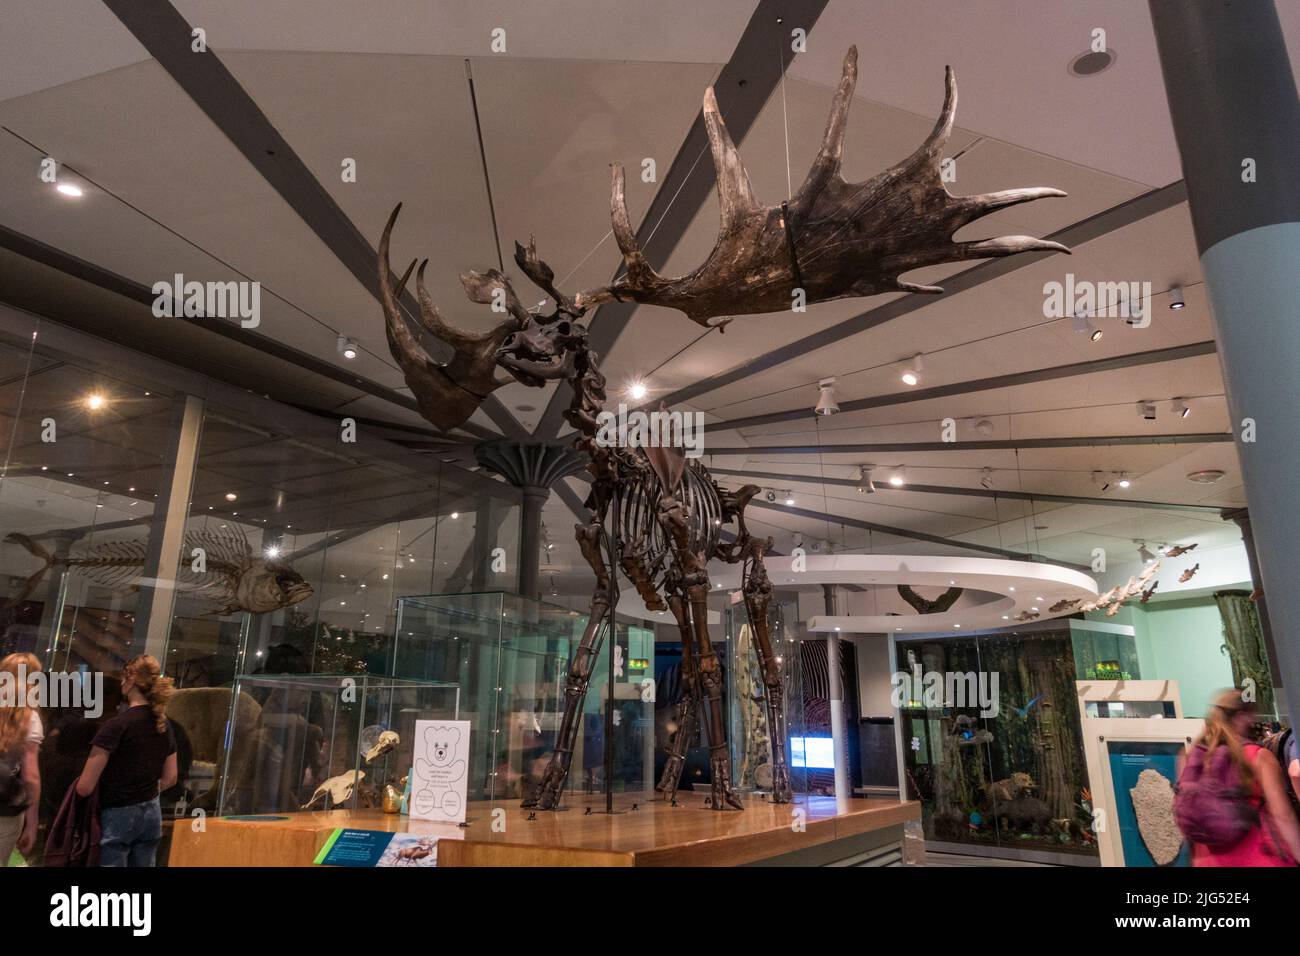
(984, 427)
(826, 404)
(1147, 410)
(455, 515)
(68, 189)
(798, 539)
(95, 401)
(1176, 298)
(274, 552)
(789, 497)
(231, 496)
(896, 479)
(771, 495)
(347, 347)
(637, 391)
(912, 374)
(986, 477)
(1144, 553)
(1100, 480)
(865, 485)
(1124, 482)
(1181, 408)
(1083, 325)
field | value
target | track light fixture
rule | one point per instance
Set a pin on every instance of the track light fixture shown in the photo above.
(1101, 480)
(347, 348)
(912, 374)
(986, 477)
(896, 479)
(1176, 298)
(1144, 553)
(865, 485)
(1181, 408)
(1083, 325)
(1124, 482)
(826, 404)
(636, 391)
(771, 495)
(789, 497)
(1147, 410)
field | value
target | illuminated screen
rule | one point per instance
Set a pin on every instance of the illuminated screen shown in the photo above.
(815, 753)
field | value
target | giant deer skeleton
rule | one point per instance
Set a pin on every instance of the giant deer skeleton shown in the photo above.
(653, 516)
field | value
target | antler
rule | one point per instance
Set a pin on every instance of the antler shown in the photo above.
(833, 239)
(447, 394)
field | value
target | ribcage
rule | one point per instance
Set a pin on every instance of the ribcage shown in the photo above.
(640, 525)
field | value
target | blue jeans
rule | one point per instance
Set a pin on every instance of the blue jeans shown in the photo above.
(129, 835)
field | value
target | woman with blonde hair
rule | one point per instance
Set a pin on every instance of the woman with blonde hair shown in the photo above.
(132, 759)
(21, 734)
(1231, 791)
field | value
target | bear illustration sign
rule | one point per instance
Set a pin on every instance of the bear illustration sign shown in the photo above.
(440, 777)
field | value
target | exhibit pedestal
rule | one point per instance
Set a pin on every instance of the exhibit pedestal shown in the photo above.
(811, 831)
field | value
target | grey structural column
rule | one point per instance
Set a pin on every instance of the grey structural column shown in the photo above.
(533, 467)
(1232, 97)
(153, 618)
(839, 733)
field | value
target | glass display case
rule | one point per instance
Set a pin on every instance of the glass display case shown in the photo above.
(509, 656)
(322, 741)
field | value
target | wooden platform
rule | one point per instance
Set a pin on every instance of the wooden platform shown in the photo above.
(809, 831)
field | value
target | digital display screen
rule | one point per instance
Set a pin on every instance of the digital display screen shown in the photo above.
(814, 753)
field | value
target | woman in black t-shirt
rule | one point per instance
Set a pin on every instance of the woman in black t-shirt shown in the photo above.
(132, 758)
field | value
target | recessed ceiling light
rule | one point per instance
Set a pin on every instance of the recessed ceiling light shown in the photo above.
(455, 515)
(1092, 62)
(1206, 476)
(231, 496)
(1181, 408)
(95, 401)
(68, 189)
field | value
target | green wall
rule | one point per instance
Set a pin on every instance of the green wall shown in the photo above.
(1179, 640)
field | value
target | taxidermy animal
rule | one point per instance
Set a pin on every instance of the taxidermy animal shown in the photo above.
(1064, 604)
(1180, 550)
(1146, 595)
(234, 576)
(1188, 574)
(1025, 813)
(1009, 788)
(831, 240)
(335, 791)
(940, 604)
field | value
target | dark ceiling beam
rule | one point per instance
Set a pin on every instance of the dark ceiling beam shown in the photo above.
(769, 477)
(1103, 223)
(167, 36)
(1029, 377)
(78, 268)
(743, 87)
(1099, 441)
(895, 532)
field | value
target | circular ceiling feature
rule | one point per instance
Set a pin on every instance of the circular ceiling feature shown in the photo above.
(1207, 476)
(1092, 62)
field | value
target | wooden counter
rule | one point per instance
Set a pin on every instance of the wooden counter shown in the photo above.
(811, 831)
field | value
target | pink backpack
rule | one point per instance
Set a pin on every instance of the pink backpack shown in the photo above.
(1211, 806)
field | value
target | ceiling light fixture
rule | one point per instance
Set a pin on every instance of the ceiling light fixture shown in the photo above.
(771, 495)
(789, 497)
(1144, 553)
(984, 427)
(986, 477)
(1181, 408)
(826, 404)
(1147, 410)
(71, 190)
(896, 479)
(231, 496)
(1176, 300)
(95, 401)
(637, 391)
(1124, 482)
(912, 374)
(1206, 476)
(273, 552)
(347, 347)
(1083, 325)
(1100, 480)
(865, 485)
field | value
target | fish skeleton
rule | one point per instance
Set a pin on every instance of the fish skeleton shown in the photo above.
(233, 575)
(1180, 550)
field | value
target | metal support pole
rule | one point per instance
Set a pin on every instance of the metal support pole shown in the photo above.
(530, 539)
(1236, 116)
(167, 532)
(839, 733)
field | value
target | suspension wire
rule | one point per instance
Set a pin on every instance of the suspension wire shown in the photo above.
(780, 65)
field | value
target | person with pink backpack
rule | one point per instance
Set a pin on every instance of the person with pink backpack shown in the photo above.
(1230, 802)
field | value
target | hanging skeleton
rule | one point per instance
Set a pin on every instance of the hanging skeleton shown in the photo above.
(653, 517)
